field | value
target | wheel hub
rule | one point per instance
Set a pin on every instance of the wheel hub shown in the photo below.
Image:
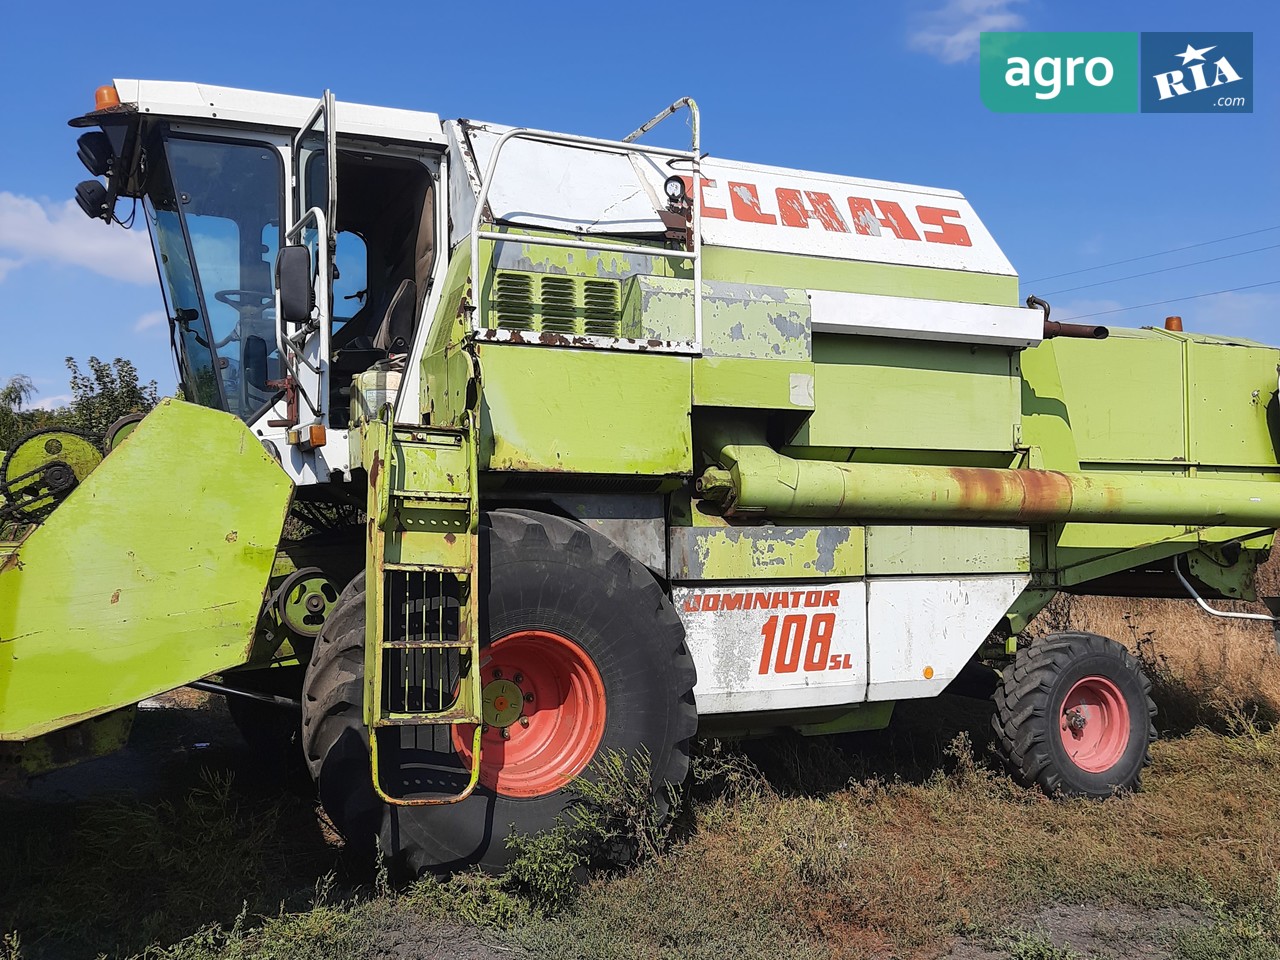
(503, 703)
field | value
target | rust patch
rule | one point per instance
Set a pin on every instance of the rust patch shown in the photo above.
(450, 539)
(115, 597)
(375, 469)
(1030, 495)
(232, 537)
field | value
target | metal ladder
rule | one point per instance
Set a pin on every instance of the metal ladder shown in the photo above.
(422, 636)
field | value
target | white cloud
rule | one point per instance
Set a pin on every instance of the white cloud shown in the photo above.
(952, 32)
(152, 318)
(52, 403)
(32, 232)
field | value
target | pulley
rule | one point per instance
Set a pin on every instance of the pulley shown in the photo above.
(304, 600)
(42, 469)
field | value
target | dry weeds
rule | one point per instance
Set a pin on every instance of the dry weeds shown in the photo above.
(1206, 669)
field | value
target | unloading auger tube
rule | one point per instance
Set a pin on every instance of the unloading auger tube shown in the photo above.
(753, 478)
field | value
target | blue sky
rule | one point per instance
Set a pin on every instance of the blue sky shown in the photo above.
(887, 91)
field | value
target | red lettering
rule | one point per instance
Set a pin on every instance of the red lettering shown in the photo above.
(711, 213)
(778, 600)
(745, 201)
(950, 233)
(890, 216)
(831, 598)
(691, 605)
(761, 602)
(788, 660)
(770, 631)
(813, 598)
(711, 602)
(791, 206)
(821, 632)
(733, 601)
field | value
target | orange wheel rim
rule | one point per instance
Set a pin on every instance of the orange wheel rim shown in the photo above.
(544, 710)
(1094, 724)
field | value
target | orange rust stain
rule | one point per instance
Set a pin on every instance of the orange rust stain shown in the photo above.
(231, 537)
(115, 597)
(450, 539)
(1013, 494)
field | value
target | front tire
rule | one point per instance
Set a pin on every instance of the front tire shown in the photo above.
(1074, 716)
(600, 653)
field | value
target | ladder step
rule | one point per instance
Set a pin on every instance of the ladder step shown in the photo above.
(426, 644)
(453, 716)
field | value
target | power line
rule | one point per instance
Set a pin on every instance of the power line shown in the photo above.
(1151, 273)
(1157, 303)
(1190, 246)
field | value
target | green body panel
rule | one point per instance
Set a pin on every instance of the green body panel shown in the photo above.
(767, 553)
(894, 550)
(66, 746)
(584, 411)
(738, 383)
(738, 319)
(912, 394)
(150, 575)
(816, 273)
(866, 716)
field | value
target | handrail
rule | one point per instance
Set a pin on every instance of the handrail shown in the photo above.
(294, 235)
(623, 147)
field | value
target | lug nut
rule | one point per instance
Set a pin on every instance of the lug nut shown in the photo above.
(484, 728)
(528, 698)
(497, 674)
(524, 721)
(518, 678)
(506, 734)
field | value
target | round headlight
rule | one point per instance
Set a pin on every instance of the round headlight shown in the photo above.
(675, 189)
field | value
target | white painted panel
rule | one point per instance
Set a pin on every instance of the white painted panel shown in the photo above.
(184, 99)
(776, 646)
(747, 206)
(922, 630)
(823, 215)
(880, 316)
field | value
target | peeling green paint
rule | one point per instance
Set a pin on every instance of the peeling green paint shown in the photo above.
(766, 553)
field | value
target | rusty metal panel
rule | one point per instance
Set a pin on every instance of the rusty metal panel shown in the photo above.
(776, 646)
(772, 553)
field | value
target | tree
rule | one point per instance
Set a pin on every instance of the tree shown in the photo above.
(107, 392)
(14, 395)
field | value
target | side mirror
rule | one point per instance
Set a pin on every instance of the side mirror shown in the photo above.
(293, 281)
(255, 362)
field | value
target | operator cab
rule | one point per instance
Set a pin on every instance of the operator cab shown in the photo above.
(225, 179)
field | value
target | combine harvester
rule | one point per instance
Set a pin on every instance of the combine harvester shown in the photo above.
(502, 449)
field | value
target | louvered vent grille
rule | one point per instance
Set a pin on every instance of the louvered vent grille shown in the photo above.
(556, 304)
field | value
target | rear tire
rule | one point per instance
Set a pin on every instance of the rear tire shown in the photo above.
(547, 577)
(1074, 716)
